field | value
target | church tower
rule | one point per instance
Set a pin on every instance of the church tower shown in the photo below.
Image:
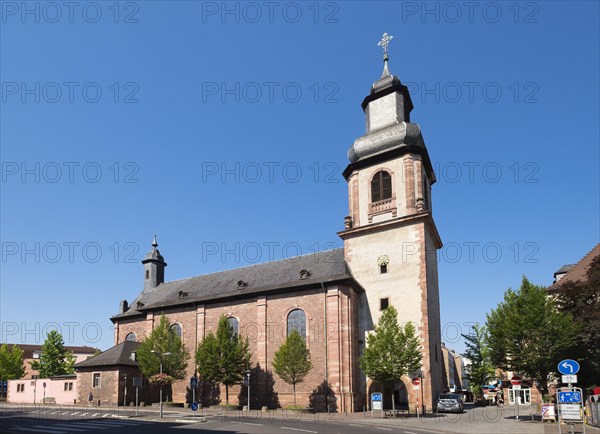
(154, 268)
(390, 238)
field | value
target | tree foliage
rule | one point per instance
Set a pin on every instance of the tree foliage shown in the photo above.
(292, 360)
(481, 369)
(11, 363)
(163, 340)
(528, 334)
(392, 351)
(582, 301)
(223, 357)
(55, 359)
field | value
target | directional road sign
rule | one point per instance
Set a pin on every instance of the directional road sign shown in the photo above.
(568, 367)
(376, 397)
(569, 397)
(194, 406)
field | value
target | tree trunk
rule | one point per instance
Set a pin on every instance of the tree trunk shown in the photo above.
(294, 387)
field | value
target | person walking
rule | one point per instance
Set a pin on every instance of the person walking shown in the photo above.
(90, 398)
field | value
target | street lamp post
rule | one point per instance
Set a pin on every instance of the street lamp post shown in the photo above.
(248, 377)
(161, 355)
(125, 397)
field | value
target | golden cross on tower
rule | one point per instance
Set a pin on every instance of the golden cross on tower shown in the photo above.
(385, 41)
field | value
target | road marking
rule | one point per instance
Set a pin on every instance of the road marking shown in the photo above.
(104, 423)
(106, 415)
(69, 427)
(76, 413)
(255, 424)
(410, 432)
(384, 429)
(355, 424)
(42, 429)
(95, 414)
(298, 429)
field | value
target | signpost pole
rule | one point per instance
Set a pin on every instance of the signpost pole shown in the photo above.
(136, 400)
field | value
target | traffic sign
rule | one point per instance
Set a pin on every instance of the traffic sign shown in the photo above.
(193, 382)
(569, 397)
(570, 379)
(376, 401)
(568, 366)
(515, 381)
(194, 406)
(570, 411)
(416, 381)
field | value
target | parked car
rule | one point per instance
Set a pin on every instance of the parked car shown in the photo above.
(450, 402)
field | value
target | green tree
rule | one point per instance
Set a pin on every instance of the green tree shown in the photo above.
(528, 334)
(392, 351)
(163, 340)
(292, 360)
(582, 300)
(223, 357)
(481, 369)
(55, 359)
(11, 363)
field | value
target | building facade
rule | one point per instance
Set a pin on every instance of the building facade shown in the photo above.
(334, 298)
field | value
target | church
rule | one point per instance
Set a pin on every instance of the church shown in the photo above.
(335, 297)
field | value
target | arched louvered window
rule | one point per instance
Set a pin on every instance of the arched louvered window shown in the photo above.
(131, 337)
(381, 186)
(296, 320)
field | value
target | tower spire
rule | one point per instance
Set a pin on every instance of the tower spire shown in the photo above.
(384, 43)
(154, 242)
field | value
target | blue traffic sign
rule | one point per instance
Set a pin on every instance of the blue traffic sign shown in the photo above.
(376, 397)
(194, 406)
(568, 397)
(568, 366)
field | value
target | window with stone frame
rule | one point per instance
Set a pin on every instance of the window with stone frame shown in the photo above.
(21, 387)
(234, 324)
(381, 186)
(131, 337)
(296, 320)
(68, 386)
(176, 328)
(96, 379)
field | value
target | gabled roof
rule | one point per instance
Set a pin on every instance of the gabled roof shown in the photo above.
(115, 356)
(286, 274)
(28, 349)
(578, 271)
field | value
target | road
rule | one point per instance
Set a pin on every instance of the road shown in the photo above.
(50, 422)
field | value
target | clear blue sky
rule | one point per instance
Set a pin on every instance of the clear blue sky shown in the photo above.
(506, 94)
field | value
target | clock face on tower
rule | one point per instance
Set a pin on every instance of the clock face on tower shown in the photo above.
(383, 260)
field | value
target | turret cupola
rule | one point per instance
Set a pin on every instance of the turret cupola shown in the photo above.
(154, 267)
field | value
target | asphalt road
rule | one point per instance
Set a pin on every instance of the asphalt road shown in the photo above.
(28, 422)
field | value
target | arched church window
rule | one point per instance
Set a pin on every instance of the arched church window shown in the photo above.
(381, 186)
(296, 320)
(176, 328)
(147, 274)
(131, 337)
(233, 323)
